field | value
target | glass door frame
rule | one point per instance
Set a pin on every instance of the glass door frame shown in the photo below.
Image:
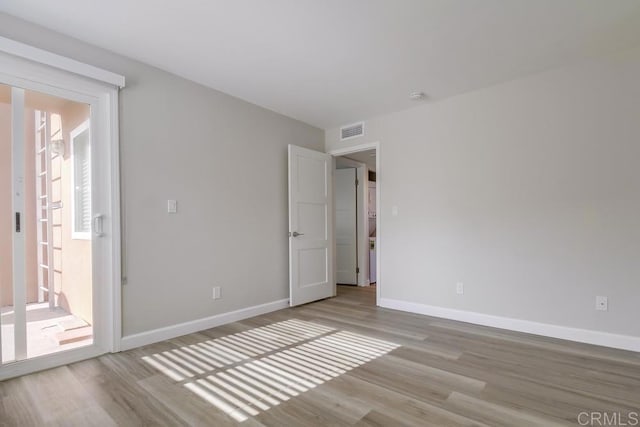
(26, 74)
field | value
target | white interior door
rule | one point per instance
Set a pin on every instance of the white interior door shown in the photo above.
(346, 226)
(310, 226)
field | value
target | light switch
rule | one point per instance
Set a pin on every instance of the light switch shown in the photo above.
(394, 211)
(172, 206)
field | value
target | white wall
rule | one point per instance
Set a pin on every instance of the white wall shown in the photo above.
(528, 192)
(223, 159)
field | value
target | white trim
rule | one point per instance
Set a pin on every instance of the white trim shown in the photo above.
(625, 342)
(84, 126)
(107, 242)
(40, 363)
(355, 149)
(114, 300)
(161, 334)
(44, 57)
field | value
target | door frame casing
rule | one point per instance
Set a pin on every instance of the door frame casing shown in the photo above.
(356, 149)
(35, 76)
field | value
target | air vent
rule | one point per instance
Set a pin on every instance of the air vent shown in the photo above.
(352, 131)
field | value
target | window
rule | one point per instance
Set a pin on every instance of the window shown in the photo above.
(81, 182)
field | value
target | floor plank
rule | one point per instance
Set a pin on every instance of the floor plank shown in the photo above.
(341, 361)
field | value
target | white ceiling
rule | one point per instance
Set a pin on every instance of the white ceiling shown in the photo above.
(332, 62)
(367, 157)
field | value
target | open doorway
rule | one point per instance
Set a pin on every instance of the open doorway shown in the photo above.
(356, 225)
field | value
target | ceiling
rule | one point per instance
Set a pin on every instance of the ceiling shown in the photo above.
(332, 62)
(367, 157)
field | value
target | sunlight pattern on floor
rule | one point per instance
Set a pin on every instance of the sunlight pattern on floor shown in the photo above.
(252, 371)
(196, 359)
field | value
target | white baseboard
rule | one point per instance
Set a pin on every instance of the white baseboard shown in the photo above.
(156, 335)
(625, 342)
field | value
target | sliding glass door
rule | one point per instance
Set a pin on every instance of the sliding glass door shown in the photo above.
(58, 253)
(46, 294)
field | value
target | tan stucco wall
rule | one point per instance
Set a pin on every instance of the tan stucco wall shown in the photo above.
(72, 263)
(73, 285)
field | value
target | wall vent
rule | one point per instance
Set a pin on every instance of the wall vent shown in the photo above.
(352, 131)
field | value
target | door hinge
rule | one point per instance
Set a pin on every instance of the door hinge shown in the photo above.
(357, 182)
(357, 270)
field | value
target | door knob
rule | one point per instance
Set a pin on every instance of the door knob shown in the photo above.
(296, 234)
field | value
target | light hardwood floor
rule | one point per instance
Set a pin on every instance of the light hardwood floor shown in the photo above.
(340, 361)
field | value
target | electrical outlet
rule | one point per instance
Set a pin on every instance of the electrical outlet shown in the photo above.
(172, 206)
(460, 288)
(602, 303)
(217, 292)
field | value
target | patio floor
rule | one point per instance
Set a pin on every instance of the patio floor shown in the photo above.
(42, 325)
